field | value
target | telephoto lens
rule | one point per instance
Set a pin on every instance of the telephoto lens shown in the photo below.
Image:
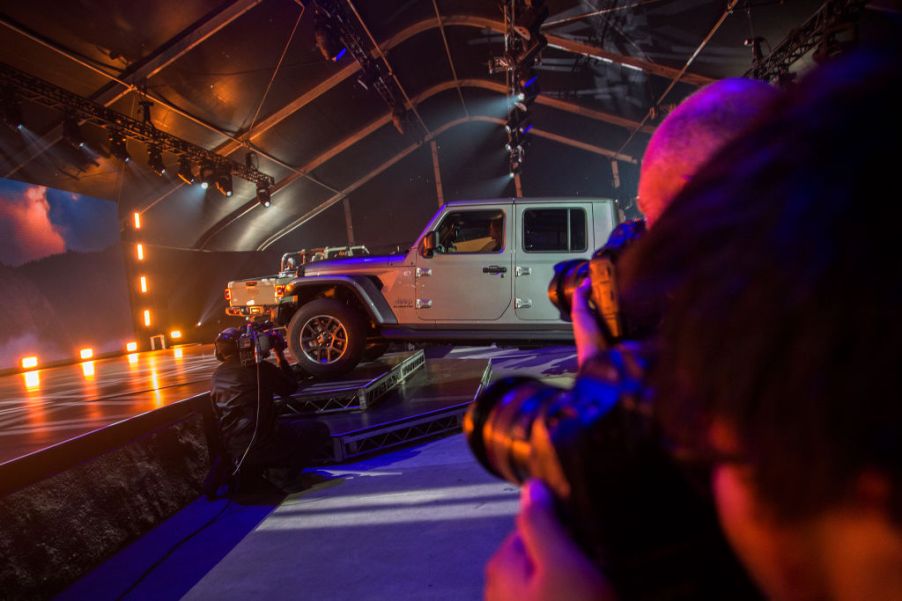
(640, 514)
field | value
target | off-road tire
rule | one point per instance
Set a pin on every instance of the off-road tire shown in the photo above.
(335, 336)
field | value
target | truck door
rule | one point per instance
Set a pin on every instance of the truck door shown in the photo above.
(548, 235)
(468, 277)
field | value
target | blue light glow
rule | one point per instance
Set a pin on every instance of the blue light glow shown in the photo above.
(340, 54)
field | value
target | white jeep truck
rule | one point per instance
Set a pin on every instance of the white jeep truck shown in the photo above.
(478, 273)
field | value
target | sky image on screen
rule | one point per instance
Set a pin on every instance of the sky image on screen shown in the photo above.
(63, 274)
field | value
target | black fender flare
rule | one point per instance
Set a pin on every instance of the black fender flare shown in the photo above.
(361, 287)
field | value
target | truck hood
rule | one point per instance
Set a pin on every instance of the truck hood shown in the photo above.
(368, 264)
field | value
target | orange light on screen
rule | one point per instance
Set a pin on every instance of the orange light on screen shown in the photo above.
(29, 362)
(131, 347)
(175, 334)
(137, 216)
(86, 353)
(139, 250)
(32, 380)
(147, 317)
(143, 284)
(178, 353)
(87, 369)
(133, 358)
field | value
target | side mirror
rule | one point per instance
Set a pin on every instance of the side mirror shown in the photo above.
(429, 244)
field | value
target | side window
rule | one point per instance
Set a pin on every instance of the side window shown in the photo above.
(471, 232)
(554, 230)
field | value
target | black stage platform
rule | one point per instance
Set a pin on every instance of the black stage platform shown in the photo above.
(67, 414)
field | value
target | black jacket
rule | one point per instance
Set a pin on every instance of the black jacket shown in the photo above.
(234, 394)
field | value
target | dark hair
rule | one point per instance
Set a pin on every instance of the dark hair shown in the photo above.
(779, 266)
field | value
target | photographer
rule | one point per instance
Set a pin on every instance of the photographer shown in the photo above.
(684, 141)
(254, 437)
(779, 356)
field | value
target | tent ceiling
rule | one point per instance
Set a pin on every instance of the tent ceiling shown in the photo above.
(210, 65)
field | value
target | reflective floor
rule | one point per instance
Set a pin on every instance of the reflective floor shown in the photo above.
(44, 407)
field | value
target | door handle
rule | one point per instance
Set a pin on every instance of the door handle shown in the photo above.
(494, 269)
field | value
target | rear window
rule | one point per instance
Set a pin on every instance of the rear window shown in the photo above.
(554, 230)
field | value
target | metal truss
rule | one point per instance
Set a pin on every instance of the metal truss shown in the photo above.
(333, 397)
(831, 18)
(34, 89)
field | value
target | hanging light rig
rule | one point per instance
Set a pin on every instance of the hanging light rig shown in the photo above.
(214, 169)
(523, 46)
(336, 34)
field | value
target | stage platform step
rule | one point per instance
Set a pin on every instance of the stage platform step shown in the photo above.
(431, 401)
(360, 389)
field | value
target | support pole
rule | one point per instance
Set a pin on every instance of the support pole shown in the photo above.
(439, 193)
(349, 225)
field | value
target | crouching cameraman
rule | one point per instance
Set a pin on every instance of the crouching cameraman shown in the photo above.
(254, 437)
(778, 353)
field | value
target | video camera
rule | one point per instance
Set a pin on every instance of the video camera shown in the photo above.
(638, 506)
(256, 341)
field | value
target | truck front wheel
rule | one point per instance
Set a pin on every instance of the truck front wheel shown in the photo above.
(327, 338)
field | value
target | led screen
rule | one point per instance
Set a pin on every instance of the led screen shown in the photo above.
(62, 275)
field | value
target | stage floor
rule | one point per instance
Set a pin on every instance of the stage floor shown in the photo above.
(48, 406)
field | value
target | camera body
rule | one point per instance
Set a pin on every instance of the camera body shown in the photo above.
(257, 340)
(601, 271)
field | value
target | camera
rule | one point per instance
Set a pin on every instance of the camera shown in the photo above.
(643, 515)
(256, 341)
(600, 269)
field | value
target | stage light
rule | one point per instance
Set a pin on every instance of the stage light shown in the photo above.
(325, 39)
(143, 285)
(264, 197)
(131, 347)
(139, 251)
(224, 183)
(529, 22)
(178, 353)
(185, 173)
(175, 334)
(132, 358)
(86, 353)
(207, 175)
(71, 133)
(12, 114)
(137, 219)
(146, 318)
(29, 362)
(87, 368)
(531, 53)
(155, 160)
(118, 148)
(32, 380)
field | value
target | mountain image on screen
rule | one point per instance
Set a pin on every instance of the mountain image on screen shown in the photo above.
(62, 275)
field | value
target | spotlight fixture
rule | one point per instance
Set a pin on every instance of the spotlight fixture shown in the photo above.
(530, 21)
(264, 196)
(155, 160)
(117, 146)
(224, 183)
(12, 114)
(185, 173)
(207, 175)
(325, 38)
(72, 133)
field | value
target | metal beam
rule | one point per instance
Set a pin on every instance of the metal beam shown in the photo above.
(374, 126)
(441, 28)
(477, 22)
(406, 152)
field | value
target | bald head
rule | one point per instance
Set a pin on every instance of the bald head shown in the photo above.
(690, 135)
